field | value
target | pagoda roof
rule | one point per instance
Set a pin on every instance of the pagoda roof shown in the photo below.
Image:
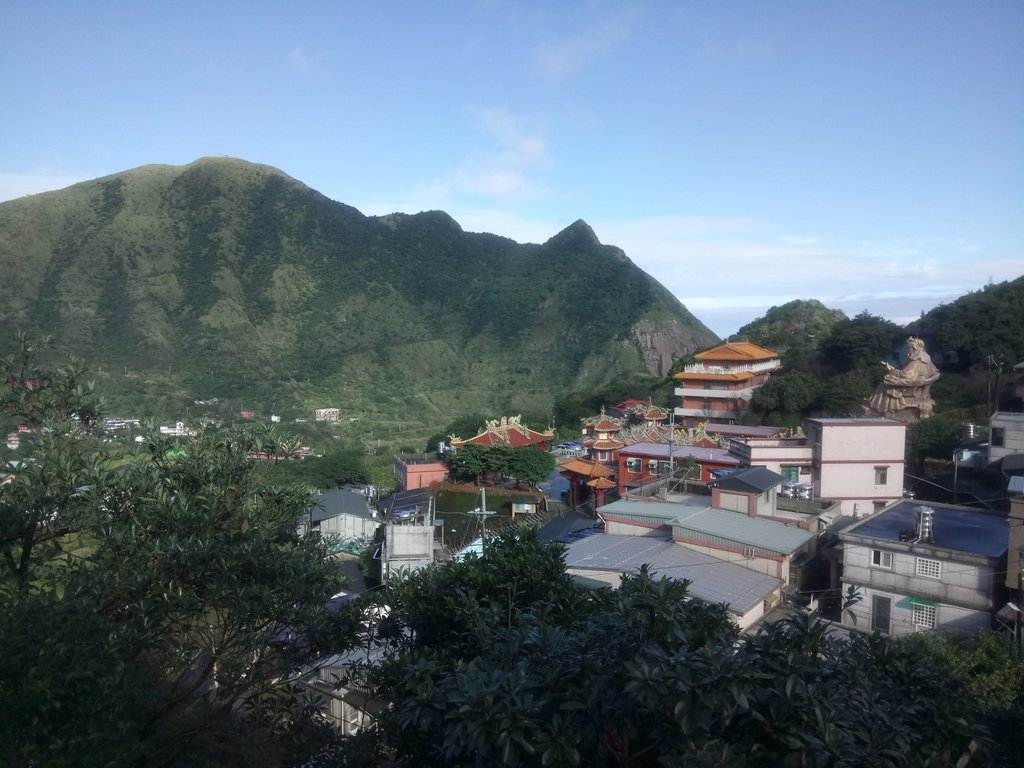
(603, 423)
(601, 483)
(603, 444)
(508, 430)
(736, 376)
(737, 350)
(586, 468)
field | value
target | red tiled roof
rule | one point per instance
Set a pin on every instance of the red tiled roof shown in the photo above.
(506, 431)
(586, 468)
(737, 350)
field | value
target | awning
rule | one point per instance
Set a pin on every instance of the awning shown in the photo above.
(923, 601)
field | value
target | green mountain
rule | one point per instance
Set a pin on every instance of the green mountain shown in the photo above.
(230, 280)
(793, 324)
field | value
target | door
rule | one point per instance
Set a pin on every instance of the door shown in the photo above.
(881, 613)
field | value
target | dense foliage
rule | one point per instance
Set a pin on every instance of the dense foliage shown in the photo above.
(147, 596)
(231, 280)
(476, 463)
(505, 660)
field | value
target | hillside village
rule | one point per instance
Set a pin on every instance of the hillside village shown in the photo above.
(757, 518)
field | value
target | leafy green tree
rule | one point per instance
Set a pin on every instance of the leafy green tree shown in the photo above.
(787, 397)
(469, 462)
(335, 468)
(986, 660)
(153, 604)
(503, 660)
(530, 465)
(932, 438)
(861, 342)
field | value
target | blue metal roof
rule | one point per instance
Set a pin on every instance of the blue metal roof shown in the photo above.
(956, 528)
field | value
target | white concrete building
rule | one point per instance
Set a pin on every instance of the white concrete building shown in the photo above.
(944, 574)
(858, 462)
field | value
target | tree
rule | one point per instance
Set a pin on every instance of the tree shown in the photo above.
(152, 604)
(861, 342)
(786, 398)
(530, 465)
(932, 438)
(503, 660)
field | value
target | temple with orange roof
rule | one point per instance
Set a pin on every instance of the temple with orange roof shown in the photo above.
(600, 436)
(508, 430)
(719, 386)
(587, 479)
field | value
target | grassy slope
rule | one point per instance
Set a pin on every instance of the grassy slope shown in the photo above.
(229, 279)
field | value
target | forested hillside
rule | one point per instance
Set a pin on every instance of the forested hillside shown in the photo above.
(229, 280)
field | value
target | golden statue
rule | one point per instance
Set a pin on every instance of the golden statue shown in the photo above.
(905, 393)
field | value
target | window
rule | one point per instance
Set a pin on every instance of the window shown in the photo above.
(881, 611)
(930, 568)
(924, 616)
(997, 436)
(881, 475)
(633, 465)
(790, 474)
(707, 405)
(881, 559)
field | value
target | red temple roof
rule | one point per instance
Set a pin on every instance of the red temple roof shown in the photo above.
(508, 430)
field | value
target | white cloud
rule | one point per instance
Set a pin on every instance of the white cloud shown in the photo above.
(564, 58)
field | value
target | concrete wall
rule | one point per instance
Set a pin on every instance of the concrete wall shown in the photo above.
(1012, 425)
(778, 568)
(947, 617)
(349, 527)
(961, 583)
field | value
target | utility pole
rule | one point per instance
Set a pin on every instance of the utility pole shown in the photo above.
(482, 514)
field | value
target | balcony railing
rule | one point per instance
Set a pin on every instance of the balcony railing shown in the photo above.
(769, 365)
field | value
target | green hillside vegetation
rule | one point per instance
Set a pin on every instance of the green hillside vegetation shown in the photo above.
(795, 324)
(231, 280)
(975, 340)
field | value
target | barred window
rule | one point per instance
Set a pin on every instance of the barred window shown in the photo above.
(924, 616)
(930, 568)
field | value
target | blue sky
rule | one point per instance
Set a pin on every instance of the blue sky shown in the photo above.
(868, 154)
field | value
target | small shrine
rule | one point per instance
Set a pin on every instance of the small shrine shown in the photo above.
(587, 478)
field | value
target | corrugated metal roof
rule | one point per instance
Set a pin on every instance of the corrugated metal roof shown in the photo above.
(714, 581)
(736, 527)
(339, 502)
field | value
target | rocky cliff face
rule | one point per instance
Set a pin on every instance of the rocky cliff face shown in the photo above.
(659, 346)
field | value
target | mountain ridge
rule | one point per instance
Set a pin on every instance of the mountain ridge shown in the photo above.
(231, 277)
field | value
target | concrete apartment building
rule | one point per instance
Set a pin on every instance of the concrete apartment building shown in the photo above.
(858, 462)
(923, 567)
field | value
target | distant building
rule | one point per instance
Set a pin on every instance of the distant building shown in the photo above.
(327, 414)
(178, 429)
(719, 386)
(925, 567)
(767, 546)
(419, 470)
